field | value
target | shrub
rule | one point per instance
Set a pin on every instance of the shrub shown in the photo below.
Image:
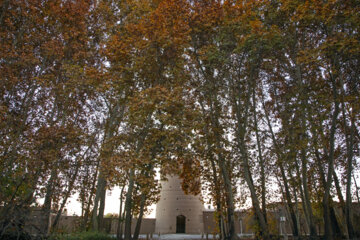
(83, 236)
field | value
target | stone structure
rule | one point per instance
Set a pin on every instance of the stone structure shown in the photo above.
(177, 212)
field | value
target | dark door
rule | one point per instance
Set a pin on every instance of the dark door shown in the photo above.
(180, 224)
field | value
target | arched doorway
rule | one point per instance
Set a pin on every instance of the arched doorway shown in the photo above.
(180, 224)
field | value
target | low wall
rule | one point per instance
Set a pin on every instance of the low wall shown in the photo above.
(70, 224)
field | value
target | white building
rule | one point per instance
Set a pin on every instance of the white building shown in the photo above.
(177, 212)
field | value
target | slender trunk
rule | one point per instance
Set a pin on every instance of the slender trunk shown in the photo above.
(122, 224)
(338, 190)
(139, 220)
(229, 199)
(255, 201)
(303, 199)
(129, 194)
(308, 206)
(102, 207)
(261, 159)
(48, 201)
(349, 146)
(224, 172)
(71, 185)
(348, 207)
(327, 222)
(215, 182)
(250, 183)
(356, 189)
(217, 199)
(297, 211)
(128, 205)
(303, 157)
(87, 211)
(115, 117)
(119, 231)
(241, 114)
(289, 202)
(283, 175)
(334, 221)
(100, 185)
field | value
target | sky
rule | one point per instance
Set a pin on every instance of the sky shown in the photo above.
(112, 204)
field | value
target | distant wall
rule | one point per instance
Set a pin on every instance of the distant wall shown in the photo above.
(245, 222)
(147, 225)
(70, 224)
(35, 222)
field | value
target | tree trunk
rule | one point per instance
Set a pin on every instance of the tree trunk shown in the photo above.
(119, 231)
(254, 199)
(308, 206)
(327, 222)
(215, 182)
(283, 175)
(261, 159)
(102, 207)
(87, 211)
(139, 220)
(128, 205)
(115, 117)
(71, 185)
(217, 199)
(306, 214)
(334, 222)
(227, 182)
(48, 201)
(356, 188)
(348, 206)
(100, 185)
(250, 183)
(303, 138)
(129, 194)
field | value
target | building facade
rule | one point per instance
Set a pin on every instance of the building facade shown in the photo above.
(177, 212)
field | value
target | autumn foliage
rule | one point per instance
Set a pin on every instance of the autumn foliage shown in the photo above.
(249, 102)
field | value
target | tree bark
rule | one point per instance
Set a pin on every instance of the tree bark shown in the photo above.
(139, 220)
(224, 172)
(348, 206)
(349, 139)
(248, 176)
(283, 175)
(215, 181)
(87, 211)
(303, 157)
(356, 188)
(119, 231)
(71, 185)
(240, 134)
(327, 221)
(261, 159)
(128, 205)
(102, 207)
(115, 117)
(101, 184)
(128, 200)
(304, 181)
(48, 200)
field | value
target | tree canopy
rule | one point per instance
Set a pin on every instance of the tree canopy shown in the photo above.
(251, 102)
